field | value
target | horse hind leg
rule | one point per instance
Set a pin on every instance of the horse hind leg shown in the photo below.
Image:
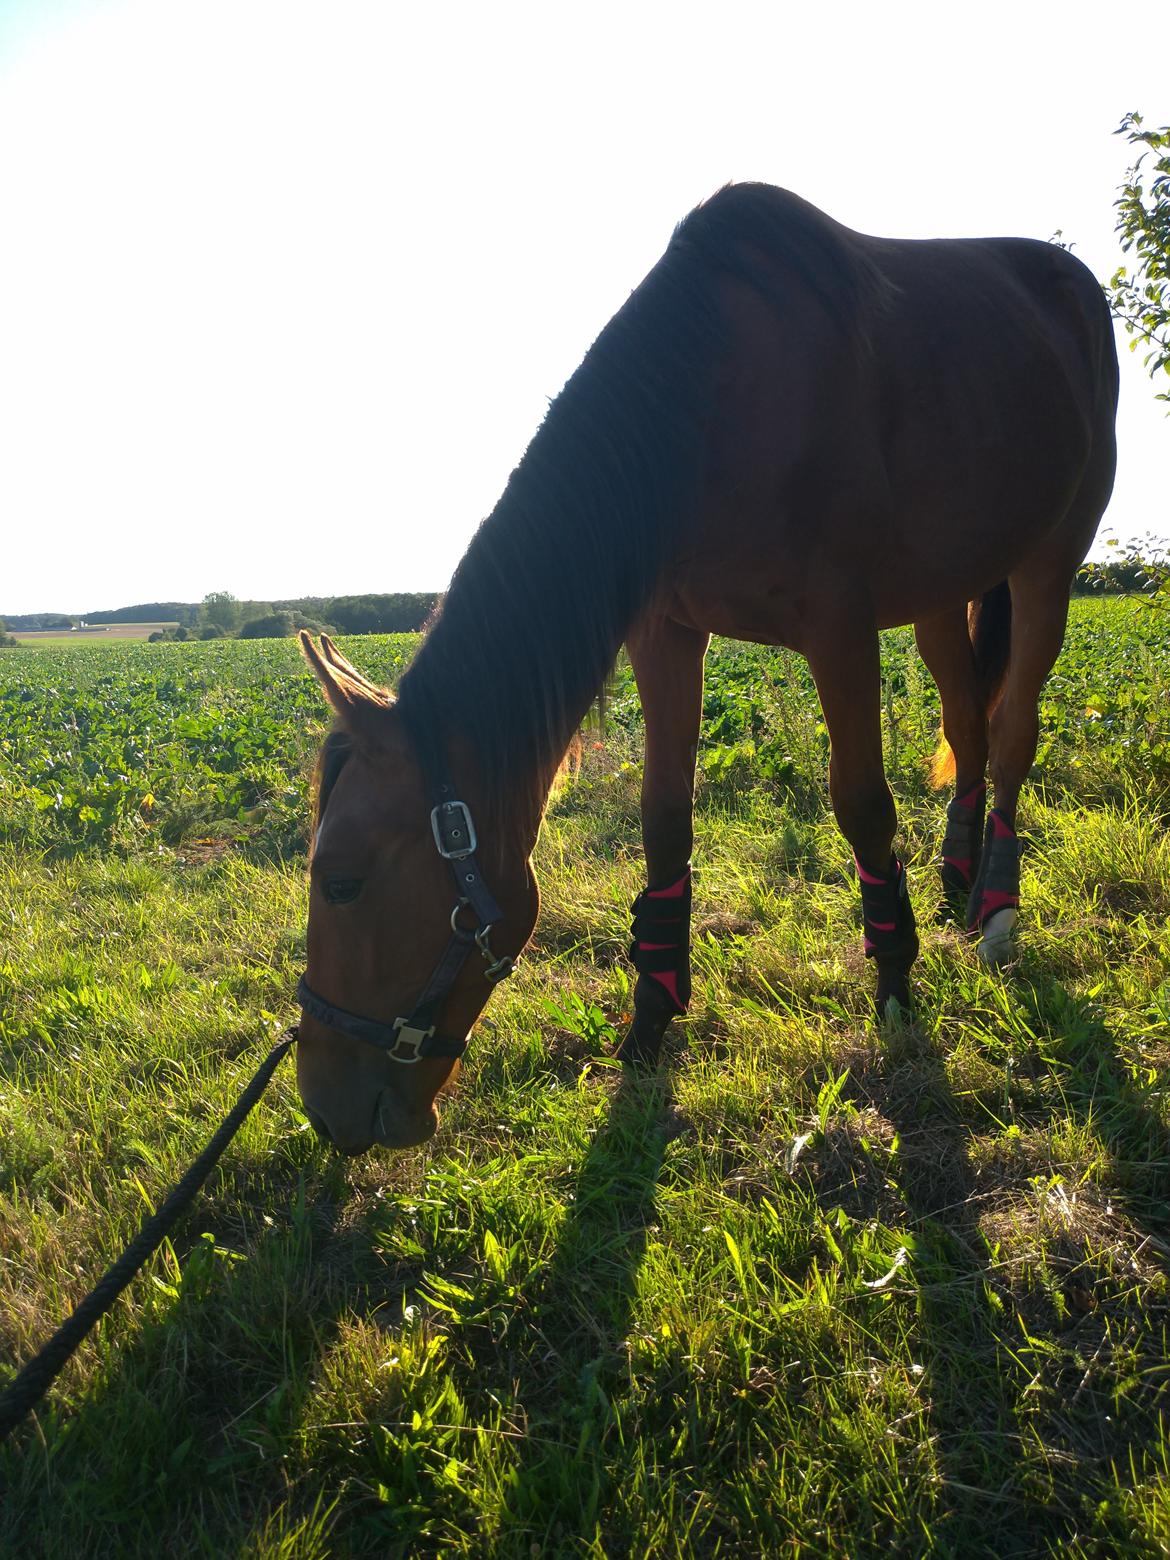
(945, 644)
(1039, 613)
(1040, 587)
(667, 659)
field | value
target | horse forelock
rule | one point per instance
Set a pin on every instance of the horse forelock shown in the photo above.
(335, 751)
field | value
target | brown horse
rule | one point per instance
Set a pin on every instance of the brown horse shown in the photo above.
(791, 433)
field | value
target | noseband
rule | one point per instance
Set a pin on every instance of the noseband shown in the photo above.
(411, 1038)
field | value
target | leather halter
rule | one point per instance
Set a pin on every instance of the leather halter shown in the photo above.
(411, 1038)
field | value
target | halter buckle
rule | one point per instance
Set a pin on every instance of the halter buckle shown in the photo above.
(454, 837)
(406, 1033)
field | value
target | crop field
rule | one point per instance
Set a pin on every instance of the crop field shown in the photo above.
(816, 1288)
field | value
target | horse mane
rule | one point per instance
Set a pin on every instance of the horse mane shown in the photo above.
(605, 493)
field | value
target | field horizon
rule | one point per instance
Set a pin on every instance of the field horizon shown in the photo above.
(34, 638)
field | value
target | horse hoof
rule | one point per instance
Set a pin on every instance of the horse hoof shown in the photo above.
(893, 1011)
(893, 1003)
(641, 1050)
(997, 946)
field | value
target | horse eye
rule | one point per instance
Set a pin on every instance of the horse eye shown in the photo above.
(342, 891)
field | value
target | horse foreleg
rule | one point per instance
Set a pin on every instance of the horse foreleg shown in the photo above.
(944, 643)
(846, 667)
(668, 666)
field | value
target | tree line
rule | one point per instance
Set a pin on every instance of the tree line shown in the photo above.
(220, 614)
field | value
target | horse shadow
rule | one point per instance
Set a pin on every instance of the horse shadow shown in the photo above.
(1010, 1332)
(218, 1366)
(967, 1375)
(1103, 1091)
(571, 1371)
(223, 1372)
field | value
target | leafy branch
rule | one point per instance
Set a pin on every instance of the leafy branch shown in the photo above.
(1140, 297)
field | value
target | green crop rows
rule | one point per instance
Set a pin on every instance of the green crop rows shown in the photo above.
(109, 745)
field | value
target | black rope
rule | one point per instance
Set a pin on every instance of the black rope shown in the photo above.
(27, 1389)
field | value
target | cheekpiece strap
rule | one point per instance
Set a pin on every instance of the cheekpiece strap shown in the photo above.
(406, 1040)
(411, 1038)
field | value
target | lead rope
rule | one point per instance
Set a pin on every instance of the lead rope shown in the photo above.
(30, 1386)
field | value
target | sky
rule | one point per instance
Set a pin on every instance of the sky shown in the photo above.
(285, 288)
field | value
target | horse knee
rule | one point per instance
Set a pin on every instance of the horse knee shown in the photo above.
(867, 818)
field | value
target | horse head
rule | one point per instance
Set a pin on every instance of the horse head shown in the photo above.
(412, 918)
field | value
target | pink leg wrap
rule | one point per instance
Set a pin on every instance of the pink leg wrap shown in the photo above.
(661, 931)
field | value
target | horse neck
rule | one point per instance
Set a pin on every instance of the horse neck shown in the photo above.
(569, 557)
(496, 697)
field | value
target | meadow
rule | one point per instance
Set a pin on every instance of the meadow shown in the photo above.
(816, 1288)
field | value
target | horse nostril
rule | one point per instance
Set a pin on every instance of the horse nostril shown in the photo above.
(318, 1125)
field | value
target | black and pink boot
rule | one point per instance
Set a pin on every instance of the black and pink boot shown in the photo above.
(995, 897)
(891, 938)
(962, 846)
(660, 952)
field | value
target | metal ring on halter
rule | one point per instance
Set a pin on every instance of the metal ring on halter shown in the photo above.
(463, 931)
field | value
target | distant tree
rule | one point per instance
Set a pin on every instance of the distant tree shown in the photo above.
(148, 612)
(210, 631)
(31, 620)
(1133, 568)
(1141, 298)
(403, 613)
(7, 641)
(221, 608)
(277, 625)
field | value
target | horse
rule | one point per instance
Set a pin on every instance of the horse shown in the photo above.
(791, 433)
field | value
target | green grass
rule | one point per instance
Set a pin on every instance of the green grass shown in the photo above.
(814, 1289)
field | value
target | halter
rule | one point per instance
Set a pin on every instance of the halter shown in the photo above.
(411, 1038)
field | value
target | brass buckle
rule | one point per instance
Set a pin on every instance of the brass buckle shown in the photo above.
(464, 833)
(406, 1034)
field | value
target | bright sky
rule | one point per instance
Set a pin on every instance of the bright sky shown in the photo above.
(285, 287)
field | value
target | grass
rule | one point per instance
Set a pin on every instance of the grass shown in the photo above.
(814, 1289)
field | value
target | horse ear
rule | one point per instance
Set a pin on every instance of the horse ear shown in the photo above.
(341, 663)
(359, 704)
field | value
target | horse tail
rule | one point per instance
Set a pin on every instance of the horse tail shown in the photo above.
(989, 623)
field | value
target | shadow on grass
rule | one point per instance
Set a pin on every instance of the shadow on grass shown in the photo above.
(201, 1394)
(190, 1431)
(1043, 1349)
(574, 1364)
(969, 1379)
(1104, 1092)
